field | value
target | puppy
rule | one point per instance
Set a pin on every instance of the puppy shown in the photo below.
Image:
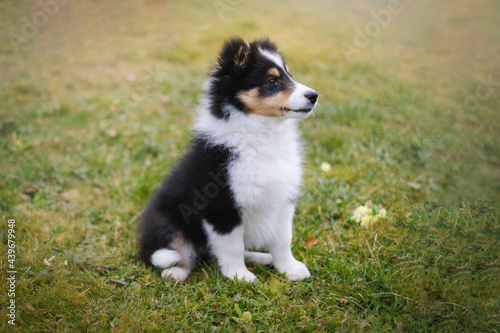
(236, 188)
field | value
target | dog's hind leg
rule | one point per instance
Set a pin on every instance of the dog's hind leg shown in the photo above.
(187, 259)
(261, 258)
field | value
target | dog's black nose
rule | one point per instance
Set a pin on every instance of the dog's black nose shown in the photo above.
(312, 96)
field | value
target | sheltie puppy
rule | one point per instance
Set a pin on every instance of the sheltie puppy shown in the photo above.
(235, 190)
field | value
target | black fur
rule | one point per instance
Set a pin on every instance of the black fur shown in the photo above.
(197, 189)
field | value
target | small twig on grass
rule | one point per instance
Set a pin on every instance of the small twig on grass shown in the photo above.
(119, 282)
(83, 292)
(401, 296)
(369, 249)
(417, 302)
(103, 266)
(460, 306)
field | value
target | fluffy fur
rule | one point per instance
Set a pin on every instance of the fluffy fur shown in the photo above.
(235, 189)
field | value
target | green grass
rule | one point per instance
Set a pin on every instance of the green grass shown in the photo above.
(95, 109)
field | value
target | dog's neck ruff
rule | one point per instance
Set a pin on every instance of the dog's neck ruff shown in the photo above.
(244, 129)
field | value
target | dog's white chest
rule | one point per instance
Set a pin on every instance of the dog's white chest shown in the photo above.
(265, 177)
(267, 169)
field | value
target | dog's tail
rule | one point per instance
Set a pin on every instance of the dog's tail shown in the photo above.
(165, 258)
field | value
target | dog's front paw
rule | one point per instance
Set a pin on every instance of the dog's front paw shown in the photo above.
(240, 274)
(296, 271)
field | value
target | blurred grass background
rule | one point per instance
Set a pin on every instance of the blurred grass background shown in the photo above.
(95, 108)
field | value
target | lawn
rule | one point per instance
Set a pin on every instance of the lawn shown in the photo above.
(96, 103)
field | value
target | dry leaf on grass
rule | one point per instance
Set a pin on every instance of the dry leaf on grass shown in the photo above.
(343, 300)
(311, 241)
(47, 262)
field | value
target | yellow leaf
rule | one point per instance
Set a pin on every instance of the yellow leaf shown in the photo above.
(246, 317)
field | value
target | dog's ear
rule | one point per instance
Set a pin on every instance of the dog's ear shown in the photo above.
(234, 56)
(241, 57)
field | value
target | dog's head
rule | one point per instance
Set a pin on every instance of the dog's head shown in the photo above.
(254, 78)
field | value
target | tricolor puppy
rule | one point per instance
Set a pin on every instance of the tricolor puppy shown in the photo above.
(236, 188)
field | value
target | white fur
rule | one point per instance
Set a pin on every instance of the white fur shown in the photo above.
(281, 251)
(259, 257)
(229, 251)
(265, 178)
(177, 273)
(165, 258)
(298, 100)
(278, 61)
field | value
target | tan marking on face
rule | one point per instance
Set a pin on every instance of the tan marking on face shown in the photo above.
(274, 72)
(265, 106)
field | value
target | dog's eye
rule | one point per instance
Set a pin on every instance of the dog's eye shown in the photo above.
(272, 82)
